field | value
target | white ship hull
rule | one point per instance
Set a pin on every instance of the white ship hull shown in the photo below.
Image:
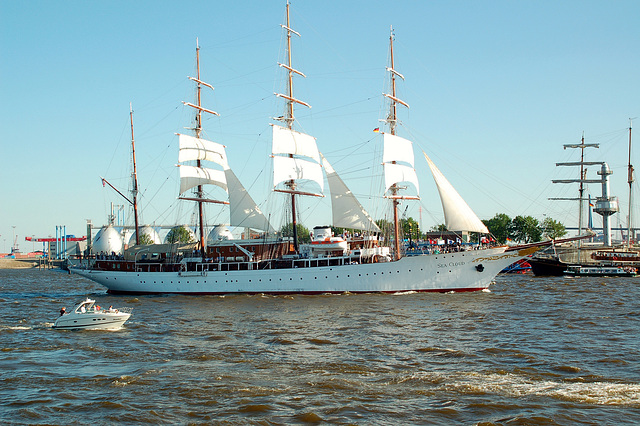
(462, 271)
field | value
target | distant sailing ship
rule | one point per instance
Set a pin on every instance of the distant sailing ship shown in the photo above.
(328, 264)
(567, 259)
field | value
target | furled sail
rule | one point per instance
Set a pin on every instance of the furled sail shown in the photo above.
(192, 148)
(295, 158)
(191, 176)
(345, 207)
(458, 216)
(398, 163)
(243, 210)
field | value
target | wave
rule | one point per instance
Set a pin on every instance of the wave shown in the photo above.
(514, 385)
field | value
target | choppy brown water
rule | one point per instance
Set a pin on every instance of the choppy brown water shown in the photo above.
(531, 351)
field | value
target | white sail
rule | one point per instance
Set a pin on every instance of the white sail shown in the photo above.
(285, 168)
(345, 207)
(201, 149)
(397, 149)
(191, 177)
(396, 173)
(458, 216)
(243, 210)
(287, 141)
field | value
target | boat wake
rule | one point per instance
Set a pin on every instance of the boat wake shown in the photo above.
(513, 385)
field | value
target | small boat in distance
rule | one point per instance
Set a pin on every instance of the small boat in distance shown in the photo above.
(602, 271)
(89, 316)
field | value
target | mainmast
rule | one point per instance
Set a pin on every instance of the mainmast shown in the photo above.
(289, 119)
(134, 191)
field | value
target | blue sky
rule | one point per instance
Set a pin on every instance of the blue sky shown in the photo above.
(495, 88)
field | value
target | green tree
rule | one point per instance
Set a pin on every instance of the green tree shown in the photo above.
(439, 228)
(180, 235)
(553, 229)
(337, 231)
(145, 240)
(499, 227)
(525, 229)
(303, 233)
(410, 227)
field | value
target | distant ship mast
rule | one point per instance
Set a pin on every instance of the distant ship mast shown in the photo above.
(606, 205)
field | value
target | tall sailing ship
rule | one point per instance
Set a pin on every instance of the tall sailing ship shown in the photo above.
(328, 264)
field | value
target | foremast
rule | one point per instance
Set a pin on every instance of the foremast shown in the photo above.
(288, 119)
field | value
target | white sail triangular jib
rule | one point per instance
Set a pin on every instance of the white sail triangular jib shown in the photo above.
(458, 215)
(345, 207)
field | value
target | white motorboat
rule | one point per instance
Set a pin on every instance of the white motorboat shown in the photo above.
(87, 315)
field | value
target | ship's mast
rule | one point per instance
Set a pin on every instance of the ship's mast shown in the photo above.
(581, 188)
(630, 181)
(392, 129)
(583, 178)
(392, 120)
(134, 191)
(289, 119)
(198, 131)
(289, 115)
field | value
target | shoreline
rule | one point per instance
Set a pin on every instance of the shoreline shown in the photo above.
(18, 264)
